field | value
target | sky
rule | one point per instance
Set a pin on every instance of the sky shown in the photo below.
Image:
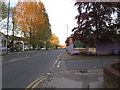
(61, 16)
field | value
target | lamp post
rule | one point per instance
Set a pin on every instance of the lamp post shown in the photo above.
(12, 36)
(67, 30)
(8, 22)
(118, 42)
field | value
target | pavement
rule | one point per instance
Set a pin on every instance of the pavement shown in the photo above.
(74, 80)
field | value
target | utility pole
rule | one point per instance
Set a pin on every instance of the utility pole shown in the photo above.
(67, 30)
(13, 34)
(8, 22)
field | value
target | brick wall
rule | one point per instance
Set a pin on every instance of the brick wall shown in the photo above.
(111, 76)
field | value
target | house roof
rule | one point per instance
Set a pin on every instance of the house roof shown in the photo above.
(2, 35)
(16, 38)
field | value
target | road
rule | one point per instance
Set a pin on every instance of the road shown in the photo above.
(20, 69)
(88, 62)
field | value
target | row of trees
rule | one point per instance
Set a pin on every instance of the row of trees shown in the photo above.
(96, 22)
(31, 19)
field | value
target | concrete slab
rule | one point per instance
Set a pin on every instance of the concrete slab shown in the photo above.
(62, 82)
(97, 84)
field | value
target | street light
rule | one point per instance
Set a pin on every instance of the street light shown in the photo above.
(12, 35)
(118, 32)
(67, 30)
(8, 22)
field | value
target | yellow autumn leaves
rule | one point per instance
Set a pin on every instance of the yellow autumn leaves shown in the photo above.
(54, 39)
(33, 21)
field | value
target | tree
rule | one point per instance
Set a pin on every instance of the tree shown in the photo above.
(14, 28)
(54, 40)
(94, 21)
(67, 41)
(33, 21)
(3, 12)
(45, 33)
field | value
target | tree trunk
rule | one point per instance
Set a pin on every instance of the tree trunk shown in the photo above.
(30, 39)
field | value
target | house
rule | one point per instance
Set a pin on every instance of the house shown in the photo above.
(2, 35)
(15, 43)
(3, 43)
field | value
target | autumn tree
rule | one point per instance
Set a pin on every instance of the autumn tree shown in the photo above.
(33, 21)
(94, 21)
(45, 33)
(54, 40)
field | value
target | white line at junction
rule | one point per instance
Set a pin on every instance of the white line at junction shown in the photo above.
(37, 55)
(18, 59)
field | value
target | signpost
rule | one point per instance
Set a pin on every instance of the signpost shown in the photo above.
(78, 45)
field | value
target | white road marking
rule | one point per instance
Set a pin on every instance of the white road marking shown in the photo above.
(18, 59)
(53, 65)
(85, 61)
(58, 56)
(43, 53)
(26, 57)
(55, 62)
(50, 68)
(37, 55)
(59, 64)
(15, 59)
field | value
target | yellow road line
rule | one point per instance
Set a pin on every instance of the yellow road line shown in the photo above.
(38, 83)
(34, 82)
(43, 78)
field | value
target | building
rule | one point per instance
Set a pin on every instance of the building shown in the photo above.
(105, 48)
(3, 43)
(77, 47)
(16, 43)
(70, 47)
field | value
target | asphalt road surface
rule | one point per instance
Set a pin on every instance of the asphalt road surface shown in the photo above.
(84, 62)
(20, 69)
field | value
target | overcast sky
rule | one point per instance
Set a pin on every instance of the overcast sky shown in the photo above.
(61, 13)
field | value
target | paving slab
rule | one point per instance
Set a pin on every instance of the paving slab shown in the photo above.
(75, 80)
(62, 82)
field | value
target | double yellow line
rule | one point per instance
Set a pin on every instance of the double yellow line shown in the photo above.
(39, 80)
(35, 83)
